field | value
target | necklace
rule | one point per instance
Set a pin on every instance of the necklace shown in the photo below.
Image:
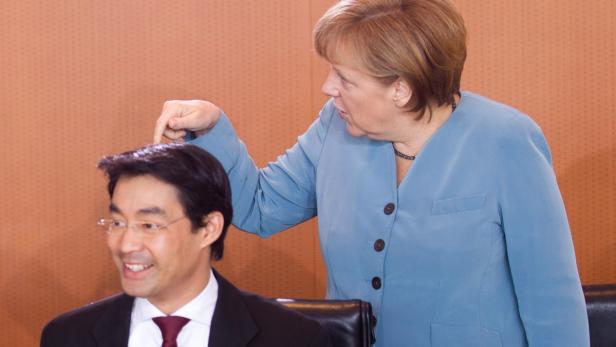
(413, 157)
(402, 155)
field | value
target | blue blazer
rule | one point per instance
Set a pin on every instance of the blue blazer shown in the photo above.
(472, 248)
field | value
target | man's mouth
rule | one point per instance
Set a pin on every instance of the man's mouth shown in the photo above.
(137, 267)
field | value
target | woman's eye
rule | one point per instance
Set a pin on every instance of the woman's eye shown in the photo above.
(344, 81)
(116, 224)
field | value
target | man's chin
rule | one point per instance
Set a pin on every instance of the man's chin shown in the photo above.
(135, 287)
(136, 291)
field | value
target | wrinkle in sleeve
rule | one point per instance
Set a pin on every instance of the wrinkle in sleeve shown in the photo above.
(539, 244)
(279, 196)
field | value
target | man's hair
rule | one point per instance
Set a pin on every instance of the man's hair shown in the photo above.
(421, 41)
(201, 181)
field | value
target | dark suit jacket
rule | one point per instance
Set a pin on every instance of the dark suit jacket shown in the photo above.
(240, 319)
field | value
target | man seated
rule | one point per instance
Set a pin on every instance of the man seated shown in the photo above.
(169, 212)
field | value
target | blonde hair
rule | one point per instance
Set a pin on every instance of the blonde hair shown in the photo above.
(422, 42)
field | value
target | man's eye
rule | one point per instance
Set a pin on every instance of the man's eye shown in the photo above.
(149, 226)
(117, 224)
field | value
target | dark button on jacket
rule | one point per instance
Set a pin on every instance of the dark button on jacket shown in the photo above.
(376, 283)
(379, 245)
(389, 208)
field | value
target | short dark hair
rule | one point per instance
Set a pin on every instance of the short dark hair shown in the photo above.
(199, 178)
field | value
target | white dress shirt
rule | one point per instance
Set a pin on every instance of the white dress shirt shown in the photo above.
(196, 333)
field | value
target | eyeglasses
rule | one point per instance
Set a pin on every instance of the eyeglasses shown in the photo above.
(115, 227)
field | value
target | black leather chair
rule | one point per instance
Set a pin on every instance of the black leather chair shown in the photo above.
(601, 308)
(350, 322)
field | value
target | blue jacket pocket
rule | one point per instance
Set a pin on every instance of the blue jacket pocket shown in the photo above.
(456, 205)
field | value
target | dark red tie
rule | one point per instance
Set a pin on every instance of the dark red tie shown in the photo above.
(170, 326)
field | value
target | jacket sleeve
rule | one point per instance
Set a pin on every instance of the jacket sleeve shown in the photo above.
(279, 196)
(49, 336)
(539, 245)
(45, 337)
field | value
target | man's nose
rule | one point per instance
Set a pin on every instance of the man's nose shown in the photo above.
(130, 240)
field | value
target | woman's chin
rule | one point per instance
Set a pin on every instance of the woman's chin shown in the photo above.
(353, 131)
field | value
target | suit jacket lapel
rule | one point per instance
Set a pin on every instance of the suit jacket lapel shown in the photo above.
(232, 324)
(112, 328)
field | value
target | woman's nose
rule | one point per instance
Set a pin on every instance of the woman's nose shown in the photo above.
(329, 87)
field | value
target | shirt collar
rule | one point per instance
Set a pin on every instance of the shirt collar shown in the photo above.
(200, 309)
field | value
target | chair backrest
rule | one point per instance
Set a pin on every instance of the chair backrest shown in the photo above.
(601, 308)
(350, 322)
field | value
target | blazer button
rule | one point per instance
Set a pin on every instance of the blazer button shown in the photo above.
(376, 283)
(379, 245)
(389, 208)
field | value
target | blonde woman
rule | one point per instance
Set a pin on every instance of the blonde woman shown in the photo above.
(439, 207)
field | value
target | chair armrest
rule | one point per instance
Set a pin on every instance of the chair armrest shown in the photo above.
(349, 322)
(601, 308)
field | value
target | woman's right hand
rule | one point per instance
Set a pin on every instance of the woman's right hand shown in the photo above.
(179, 116)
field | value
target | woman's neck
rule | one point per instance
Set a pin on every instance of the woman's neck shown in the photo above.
(411, 134)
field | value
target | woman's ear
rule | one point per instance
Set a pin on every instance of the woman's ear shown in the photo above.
(212, 227)
(402, 93)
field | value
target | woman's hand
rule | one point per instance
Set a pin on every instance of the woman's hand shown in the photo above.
(179, 116)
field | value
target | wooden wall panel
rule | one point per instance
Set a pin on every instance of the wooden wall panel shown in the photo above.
(84, 79)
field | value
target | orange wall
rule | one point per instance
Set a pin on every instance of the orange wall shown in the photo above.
(86, 79)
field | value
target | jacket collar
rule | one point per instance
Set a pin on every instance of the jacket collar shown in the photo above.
(232, 324)
(111, 330)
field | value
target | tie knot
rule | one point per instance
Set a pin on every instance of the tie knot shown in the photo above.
(170, 327)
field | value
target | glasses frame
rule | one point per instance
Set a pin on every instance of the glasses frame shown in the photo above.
(107, 224)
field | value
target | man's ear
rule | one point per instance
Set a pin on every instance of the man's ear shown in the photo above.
(402, 93)
(212, 228)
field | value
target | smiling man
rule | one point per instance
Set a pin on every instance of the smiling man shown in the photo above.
(169, 212)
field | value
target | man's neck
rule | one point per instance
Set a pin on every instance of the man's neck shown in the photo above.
(169, 305)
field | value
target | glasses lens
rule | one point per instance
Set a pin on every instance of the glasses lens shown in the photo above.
(103, 224)
(110, 225)
(147, 228)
